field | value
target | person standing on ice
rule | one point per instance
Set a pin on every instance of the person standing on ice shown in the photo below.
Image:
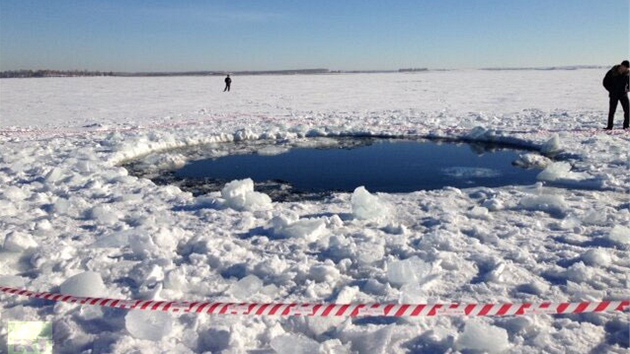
(617, 84)
(228, 82)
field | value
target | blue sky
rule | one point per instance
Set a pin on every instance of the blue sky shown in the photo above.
(233, 35)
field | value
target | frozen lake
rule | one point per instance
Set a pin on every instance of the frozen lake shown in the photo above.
(73, 221)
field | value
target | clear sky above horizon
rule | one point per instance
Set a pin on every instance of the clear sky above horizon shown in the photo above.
(229, 35)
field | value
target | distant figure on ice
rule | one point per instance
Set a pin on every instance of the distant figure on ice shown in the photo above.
(617, 84)
(228, 82)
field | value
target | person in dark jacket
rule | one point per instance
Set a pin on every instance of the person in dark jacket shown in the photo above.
(617, 84)
(228, 82)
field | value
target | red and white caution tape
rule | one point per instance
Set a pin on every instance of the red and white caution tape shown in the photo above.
(336, 310)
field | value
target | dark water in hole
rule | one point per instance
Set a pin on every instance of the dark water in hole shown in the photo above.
(391, 166)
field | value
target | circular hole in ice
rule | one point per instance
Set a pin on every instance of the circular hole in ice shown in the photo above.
(316, 168)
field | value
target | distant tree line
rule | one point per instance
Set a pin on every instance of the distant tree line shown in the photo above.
(78, 73)
(51, 73)
(412, 70)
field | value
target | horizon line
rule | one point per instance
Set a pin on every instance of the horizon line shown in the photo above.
(291, 71)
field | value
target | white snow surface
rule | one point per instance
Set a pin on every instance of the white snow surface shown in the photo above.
(73, 221)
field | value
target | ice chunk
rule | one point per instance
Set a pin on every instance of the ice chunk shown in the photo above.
(150, 325)
(8, 208)
(379, 341)
(240, 195)
(176, 280)
(395, 229)
(552, 145)
(552, 204)
(532, 161)
(569, 223)
(55, 175)
(412, 293)
(246, 287)
(493, 204)
(334, 346)
(86, 284)
(347, 294)
(595, 217)
(103, 214)
(597, 256)
(115, 240)
(19, 241)
(166, 238)
(410, 270)
(43, 225)
(294, 344)
(14, 193)
(245, 134)
(555, 171)
(560, 171)
(366, 206)
(272, 150)
(75, 206)
(290, 226)
(479, 336)
(477, 133)
(479, 212)
(61, 206)
(579, 273)
(12, 281)
(620, 234)
(369, 252)
(141, 243)
(324, 273)
(319, 325)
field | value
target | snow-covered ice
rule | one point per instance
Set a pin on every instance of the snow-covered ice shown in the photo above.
(73, 221)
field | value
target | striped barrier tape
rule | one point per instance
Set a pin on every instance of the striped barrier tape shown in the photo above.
(335, 310)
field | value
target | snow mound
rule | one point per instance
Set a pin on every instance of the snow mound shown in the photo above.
(86, 284)
(239, 195)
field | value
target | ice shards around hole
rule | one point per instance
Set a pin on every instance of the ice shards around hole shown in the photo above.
(315, 168)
